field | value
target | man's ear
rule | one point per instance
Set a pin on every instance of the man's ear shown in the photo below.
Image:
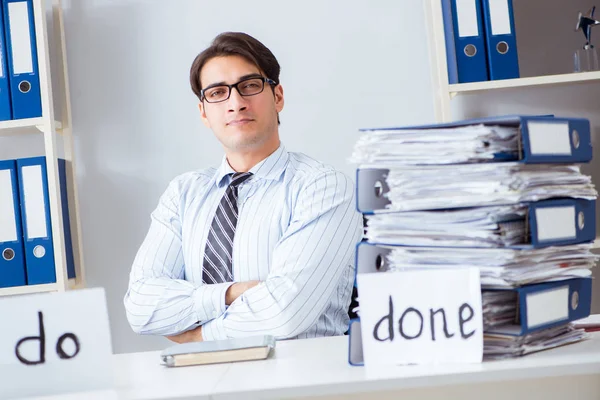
(278, 92)
(203, 114)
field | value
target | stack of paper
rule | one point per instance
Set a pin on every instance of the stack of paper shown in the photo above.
(475, 227)
(453, 186)
(501, 267)
(499, 308)
(467, 195)
(477, 143)
(589, 324)
(497, 346)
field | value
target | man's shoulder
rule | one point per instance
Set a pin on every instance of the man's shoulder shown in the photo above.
(306, 170)
(193, 180)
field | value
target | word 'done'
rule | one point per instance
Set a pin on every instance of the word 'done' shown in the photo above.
(421, 317)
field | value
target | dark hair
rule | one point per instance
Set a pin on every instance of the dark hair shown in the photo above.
(235, 44)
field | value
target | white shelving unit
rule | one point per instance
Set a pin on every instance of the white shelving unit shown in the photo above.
(444, 92)
(50, 128)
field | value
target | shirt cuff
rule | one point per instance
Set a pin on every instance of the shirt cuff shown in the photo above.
(209, 301)
(214, 330)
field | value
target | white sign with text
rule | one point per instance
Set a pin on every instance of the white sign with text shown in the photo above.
(421, 317)
(55, 343)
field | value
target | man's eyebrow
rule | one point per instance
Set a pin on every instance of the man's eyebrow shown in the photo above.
(222, 83)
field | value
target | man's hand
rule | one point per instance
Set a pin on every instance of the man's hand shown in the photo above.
(234, 291)
(194, 335)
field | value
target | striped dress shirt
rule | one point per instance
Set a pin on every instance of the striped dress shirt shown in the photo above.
(296, 233)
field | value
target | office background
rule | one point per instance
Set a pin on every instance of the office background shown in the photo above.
(345, 65)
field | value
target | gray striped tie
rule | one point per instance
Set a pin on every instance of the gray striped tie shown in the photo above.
(219, 244)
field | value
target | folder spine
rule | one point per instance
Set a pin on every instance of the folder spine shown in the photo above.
(575, 303)
(558, 222)
(572, 136)
(371, 188)
(450, 44)
(19, 28)
(500, 39)
(64, 195)
(37, 227)
(39, 245)
(5, 102)
(12, 258)
(469, 42)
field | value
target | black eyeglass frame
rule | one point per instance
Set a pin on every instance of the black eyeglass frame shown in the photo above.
(235, 85)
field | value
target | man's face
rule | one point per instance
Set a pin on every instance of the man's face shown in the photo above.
(241, 123)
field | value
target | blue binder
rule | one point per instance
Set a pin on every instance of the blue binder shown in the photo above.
(371, 258)
(500, 39)
(12, 258)
(64, 196)
(5, 103)
(37, 226)
(545, 305)
(19, 28)
(562, 222)
(465, 42)
(553, 222)
(37, 222)
(368, 259)
(544, 138)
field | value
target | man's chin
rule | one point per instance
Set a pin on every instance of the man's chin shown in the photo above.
(244, 143)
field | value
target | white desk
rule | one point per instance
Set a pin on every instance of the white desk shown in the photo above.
(319, 368)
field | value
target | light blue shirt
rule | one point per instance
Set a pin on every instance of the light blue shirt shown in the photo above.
(296, 233)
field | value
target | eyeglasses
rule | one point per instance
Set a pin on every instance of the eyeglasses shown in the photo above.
(246, 87)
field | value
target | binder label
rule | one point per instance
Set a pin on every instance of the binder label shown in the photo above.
(466, 14)
(18, 16)
(34, 199)
(547, 306)
(55, 343)
(8, 226)
(549, 138)
(500, 17)
(555, 223)
(421, 317)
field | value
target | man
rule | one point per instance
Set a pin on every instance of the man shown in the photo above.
(262, 245)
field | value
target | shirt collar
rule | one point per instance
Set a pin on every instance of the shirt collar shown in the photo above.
(270, 168)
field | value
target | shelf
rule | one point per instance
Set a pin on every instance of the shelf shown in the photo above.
(17, 126)
(9, 291)
(547, 80)
(50, 287)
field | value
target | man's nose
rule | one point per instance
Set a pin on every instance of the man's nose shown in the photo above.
(237, 102)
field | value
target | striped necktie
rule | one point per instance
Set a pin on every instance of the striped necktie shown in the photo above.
(219, 244)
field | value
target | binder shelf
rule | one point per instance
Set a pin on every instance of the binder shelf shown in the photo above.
(60, 201)
(26, 125)
(444, 91)
(547, 80)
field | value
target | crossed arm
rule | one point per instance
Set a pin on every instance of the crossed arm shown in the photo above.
(233, 292)
(307, 264)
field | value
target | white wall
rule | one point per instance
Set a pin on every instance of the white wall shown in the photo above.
(345, 65)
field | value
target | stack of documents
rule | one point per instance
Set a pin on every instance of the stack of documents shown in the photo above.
(476, 227)
(478, 143)
(496, 346)
(451, 186)
(501, 268)
(505, 195)
(499, 308)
